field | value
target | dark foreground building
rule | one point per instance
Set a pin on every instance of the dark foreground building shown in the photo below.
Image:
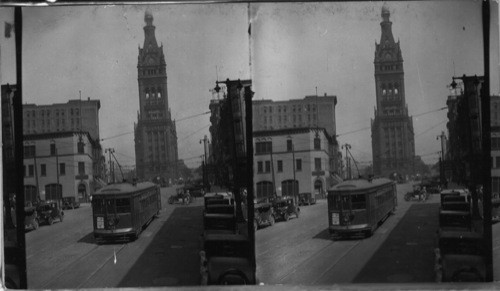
(393, 144)
(155, 134)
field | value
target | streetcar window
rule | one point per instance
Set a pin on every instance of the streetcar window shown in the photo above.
(358, 201)
(110, 206)
(98, 205)
(123, 205)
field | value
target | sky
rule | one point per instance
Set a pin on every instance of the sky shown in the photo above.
(331, 46)
(294, 48)
(94, 49)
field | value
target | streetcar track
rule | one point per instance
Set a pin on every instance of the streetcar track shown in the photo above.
(336, 261)
(101, 266)
(73, 263)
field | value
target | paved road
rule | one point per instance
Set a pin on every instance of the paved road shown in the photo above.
(65, 255)
(301, 251)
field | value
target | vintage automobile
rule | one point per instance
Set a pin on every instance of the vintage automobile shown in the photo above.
(284, 207)
(183, 197)
(48, 211)
(264, 215)
(306, 199)
(30, 218)
(458, 194)
(418, 193)
(218, 196)
(460, 257)
(70, 203)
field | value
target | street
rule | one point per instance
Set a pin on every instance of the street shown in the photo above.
(298, 252)
(65, 255)
(301, 251)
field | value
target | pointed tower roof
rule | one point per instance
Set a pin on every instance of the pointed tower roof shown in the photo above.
(387, 49)
(149, 31)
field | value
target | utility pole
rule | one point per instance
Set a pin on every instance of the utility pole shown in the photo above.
(110, 151)
(58, 187)
(204, 164)
(294, 179)
(348, 161)
(441, 158)
(272, 170)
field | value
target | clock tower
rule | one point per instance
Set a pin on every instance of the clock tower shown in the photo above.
(393, 143)
(155, 133)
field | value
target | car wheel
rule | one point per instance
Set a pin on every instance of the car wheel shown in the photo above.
(50, 220)
(170, 200)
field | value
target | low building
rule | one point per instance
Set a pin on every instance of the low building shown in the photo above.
(75, 115)
(61, 164)
(292, 161)
(311, 111)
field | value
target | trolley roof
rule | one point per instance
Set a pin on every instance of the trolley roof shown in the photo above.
(124, 188)
(361, 184)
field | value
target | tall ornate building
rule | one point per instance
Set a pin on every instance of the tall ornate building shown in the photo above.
(393, 144)
(155, 134)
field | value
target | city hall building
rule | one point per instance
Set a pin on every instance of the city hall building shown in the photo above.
(155, 133)
(393, 143)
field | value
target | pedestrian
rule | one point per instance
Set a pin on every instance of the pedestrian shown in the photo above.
(423, 194)
(187, 196)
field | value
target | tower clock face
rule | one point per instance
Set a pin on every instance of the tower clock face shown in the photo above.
(387, 56)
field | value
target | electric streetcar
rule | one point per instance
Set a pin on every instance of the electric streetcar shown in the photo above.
(357, 207)
(121, 211)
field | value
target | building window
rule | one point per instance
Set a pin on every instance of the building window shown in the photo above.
(280, 166)
(29, 151)
(43, 170)
(317, 143)
(289, 145)
(81, 168)
(495, 143)
(497, 162)
(62, 169)
(317, 164)
(298, 164)
(259, 167)
(31, 171)
(81, 147)
(268, 166)
(263, 147)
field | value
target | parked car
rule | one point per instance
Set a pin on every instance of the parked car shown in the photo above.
(306, 199)
(264, 215)
(284, 207)
(70, 203)
(461, 257)
(48, 211)
(30, 218)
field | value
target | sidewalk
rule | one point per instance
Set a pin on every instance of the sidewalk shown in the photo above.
(407, 255)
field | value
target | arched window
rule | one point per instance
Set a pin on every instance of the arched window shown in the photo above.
(383, 89)
(147, 93)
(159, 93)
(265, 189)
(396, 88)
(153, 93)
